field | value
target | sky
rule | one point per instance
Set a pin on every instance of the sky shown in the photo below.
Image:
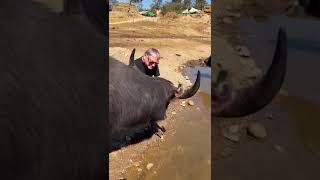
(147, 3)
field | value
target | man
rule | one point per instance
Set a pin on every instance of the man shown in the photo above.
(148, 63)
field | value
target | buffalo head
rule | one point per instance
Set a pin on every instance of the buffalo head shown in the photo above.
(227, 102)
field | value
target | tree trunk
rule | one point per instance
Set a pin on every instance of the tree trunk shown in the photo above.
(129, 5)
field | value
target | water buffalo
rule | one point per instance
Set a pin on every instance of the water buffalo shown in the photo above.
(53, 94)
(227, 102)
(136, 99)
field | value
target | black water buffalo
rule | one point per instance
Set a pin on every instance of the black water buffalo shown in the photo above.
(135, 99)
(53, 94)
(227, 102)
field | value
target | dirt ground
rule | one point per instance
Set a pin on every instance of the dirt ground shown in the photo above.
(179, 40)
(282, 154)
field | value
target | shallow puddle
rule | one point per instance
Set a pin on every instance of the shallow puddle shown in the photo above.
(205, 84)
(306, 115)
(185, 155)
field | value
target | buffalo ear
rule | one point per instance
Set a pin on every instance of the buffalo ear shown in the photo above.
(179, 91)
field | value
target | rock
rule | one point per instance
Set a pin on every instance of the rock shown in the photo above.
(232, 133)
(180, 149)
(113, 155)
(224, 154)
(243, 51)
(232, 137)
(178, 54)
(183, 103)
(189, 83)
(174, 113)
(270, 116)
(139, 169)
(121, 178)
(149, 166)
(187, 78)
(136, 164)
(227, 20)
(235, 15)
(257, 130)
(162, 137)
(278, 148)
(234, 129)
(191, 103)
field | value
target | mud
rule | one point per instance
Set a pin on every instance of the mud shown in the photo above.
(291, 149)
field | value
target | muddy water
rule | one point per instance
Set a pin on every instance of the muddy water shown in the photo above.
(306, 115)
(303, 76)
(205, 84)
(187, 154)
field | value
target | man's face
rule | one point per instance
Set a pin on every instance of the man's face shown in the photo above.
(151, 61)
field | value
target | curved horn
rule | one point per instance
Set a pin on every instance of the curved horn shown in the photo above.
(131, 60)
(191, 91)
(208, 61)
(246, 101)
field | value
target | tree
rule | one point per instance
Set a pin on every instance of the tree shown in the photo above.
(156, 4)
(200, 3)
(187, 3)
(114, 2)
(133, 1)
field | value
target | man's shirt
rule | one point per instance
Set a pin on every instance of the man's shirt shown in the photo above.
(144, 69)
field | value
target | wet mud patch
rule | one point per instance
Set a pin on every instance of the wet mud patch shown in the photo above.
(190, 69)
(185, 153)
(192, 63)
(205, 84)
(305, 115)
(185, 143)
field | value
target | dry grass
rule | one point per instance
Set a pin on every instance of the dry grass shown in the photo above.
(171, 15)
(118, 16)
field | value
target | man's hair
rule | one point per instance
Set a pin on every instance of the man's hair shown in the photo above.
(152, 51)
